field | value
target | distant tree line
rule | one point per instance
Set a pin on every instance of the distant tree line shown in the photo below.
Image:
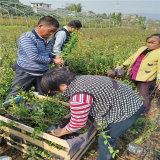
(115, 19)
(74, 7)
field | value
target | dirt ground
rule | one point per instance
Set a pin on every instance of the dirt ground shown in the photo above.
(151, 145)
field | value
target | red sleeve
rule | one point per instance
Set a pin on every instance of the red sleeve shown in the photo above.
(80, 108)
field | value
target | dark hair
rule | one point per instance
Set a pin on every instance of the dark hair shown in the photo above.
(154, 35)
(49, 21)
(75, 24)
(52, 79)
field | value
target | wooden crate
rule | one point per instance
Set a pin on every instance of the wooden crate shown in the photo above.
(23, 147)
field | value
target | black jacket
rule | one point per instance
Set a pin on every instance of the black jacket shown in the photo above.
(54, 38)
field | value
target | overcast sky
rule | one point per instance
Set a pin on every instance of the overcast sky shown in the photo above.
(150, 9)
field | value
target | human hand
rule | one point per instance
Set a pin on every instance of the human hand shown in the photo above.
(119, 67)
(58, 60)
(56, 132)
(59, 132)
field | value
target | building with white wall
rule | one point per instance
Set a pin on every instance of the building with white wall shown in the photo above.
(38, 6)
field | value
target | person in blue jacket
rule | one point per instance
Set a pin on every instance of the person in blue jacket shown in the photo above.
(34, 56)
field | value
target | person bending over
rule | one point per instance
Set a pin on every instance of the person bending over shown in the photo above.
(102, 98)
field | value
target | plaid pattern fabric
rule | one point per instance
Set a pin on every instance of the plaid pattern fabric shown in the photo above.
(109, 104)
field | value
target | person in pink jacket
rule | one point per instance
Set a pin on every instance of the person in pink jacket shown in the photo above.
(144, 66)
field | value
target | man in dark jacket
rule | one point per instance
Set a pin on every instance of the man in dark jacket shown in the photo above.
(62, 35)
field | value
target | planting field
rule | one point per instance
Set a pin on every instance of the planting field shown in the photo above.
(96, 52)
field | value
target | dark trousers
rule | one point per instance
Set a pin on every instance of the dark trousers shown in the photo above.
(25, 81)
(143, 89)
(114, 131)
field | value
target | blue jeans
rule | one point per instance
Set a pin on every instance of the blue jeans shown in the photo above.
(115, 130)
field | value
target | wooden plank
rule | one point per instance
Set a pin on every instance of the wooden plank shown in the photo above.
(24, 132)
(43, 144)
(10, 139)
(19, 148)
(22, 150)
(42, 134)
(37, 142)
